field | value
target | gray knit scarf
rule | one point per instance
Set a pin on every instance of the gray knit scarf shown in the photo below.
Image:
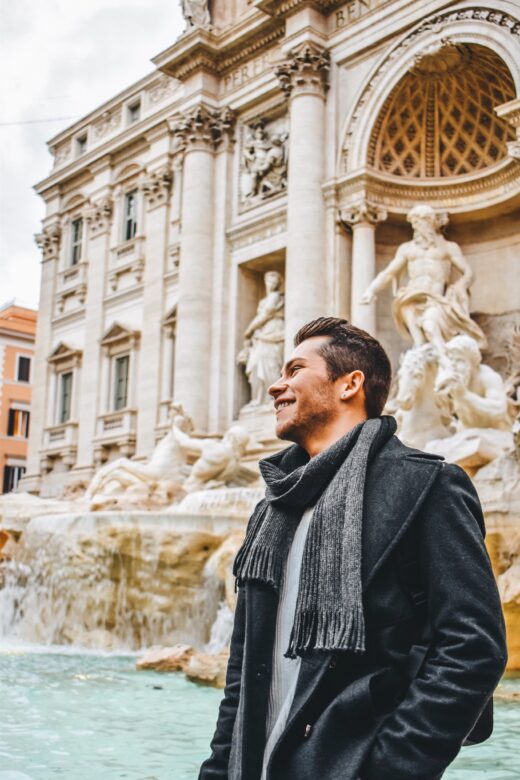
(329, 608)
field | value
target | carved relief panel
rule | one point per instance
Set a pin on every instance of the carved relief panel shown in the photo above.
(263, 160)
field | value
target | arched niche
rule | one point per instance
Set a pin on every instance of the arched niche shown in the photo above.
(425, 127)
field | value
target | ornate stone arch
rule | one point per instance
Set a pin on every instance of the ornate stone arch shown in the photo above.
(464, 29)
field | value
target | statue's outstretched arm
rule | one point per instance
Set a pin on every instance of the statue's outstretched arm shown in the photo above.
(392, 271)
(189, 445)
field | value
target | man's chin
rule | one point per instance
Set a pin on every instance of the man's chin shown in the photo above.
(286, 431)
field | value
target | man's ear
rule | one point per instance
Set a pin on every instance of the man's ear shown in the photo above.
(352, 384)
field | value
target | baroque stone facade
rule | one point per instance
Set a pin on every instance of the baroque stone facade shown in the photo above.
(273, 137)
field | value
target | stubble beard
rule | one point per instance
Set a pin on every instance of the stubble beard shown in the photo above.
(312, 414)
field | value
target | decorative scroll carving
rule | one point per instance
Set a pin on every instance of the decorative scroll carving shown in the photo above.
(156, 187)
(49, 241)
(362, 212)
(202, 128)
(306, 69)
(109, 121)
(98, 216)
(265, 162)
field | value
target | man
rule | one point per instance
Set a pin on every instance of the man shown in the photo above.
(368, 632)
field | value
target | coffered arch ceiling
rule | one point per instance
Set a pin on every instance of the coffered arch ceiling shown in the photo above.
(439, 120)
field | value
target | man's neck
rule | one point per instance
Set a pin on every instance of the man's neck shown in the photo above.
(321, 440)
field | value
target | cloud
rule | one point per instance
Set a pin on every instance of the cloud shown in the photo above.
(60, 59)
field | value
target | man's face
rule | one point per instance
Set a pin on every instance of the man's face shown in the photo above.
(304, 397)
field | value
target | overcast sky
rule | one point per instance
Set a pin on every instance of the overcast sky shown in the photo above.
(60, 58)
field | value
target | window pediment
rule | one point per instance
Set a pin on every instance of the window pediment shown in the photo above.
(119, 335)
(63, 355)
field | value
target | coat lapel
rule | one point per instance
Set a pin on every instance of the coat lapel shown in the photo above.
(395, 489)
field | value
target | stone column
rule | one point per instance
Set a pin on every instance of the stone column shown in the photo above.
(303, 77)
(198, 134)
(156, 190)
(98, 218)
(49, 243)
(363, 217)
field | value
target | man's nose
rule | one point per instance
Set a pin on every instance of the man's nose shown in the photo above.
(277, 387)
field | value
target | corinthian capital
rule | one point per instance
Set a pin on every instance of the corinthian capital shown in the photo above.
(362, 212)
(49, 241)
(98, 216)
(156, 186)
(202, 128)
(306, 69)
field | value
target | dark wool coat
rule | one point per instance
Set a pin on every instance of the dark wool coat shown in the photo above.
(402, 710)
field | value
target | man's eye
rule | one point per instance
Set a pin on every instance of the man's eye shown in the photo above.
(294, 368)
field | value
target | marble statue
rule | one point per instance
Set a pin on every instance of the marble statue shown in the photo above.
(217, 461)
(476, 391)
(262, 353)
(479, 405)
(129, 482)
(265, 162)
(421, 414)
(196, 13)
(429, 307)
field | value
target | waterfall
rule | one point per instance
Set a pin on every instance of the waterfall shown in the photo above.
(114, 581)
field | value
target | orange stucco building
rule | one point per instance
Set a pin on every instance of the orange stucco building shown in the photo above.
(17, 336)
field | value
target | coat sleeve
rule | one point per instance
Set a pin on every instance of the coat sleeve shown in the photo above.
(216, 766)
(467, 653)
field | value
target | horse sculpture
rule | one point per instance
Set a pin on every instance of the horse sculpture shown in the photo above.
(421, 413)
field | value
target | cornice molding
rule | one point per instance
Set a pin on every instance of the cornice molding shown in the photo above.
(204, 50)
(284, 8)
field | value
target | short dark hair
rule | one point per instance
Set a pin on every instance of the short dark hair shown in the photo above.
(350, 349)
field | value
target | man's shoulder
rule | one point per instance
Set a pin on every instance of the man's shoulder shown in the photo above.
(394, 449)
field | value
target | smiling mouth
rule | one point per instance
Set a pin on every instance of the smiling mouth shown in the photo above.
(283, 405)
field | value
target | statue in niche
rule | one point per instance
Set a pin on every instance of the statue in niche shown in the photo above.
(429, 308)
(217, 461)
(265, 162)
(124, 482)
(262, 353)
(196, 13)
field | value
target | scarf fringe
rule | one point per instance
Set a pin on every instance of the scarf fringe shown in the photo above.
(329, 630)
(263, 564)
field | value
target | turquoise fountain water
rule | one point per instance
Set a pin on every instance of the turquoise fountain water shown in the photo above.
(93, 717)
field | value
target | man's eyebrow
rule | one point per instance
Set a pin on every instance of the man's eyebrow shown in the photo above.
(291, 362)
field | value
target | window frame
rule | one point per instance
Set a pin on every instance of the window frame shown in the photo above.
(131, 107)
(18, 429)
(76, 242)
(120, 402)
(130, 220)
(19, 359)
(61, 406)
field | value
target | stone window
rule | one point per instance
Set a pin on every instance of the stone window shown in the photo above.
(133, 112)
(130, 215)
(120, 386)
(76, 236)
(23, 369)
(81, 144)
(65, 396)
(65, 363)
(440, 120)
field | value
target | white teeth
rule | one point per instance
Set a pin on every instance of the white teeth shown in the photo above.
(284, 403)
